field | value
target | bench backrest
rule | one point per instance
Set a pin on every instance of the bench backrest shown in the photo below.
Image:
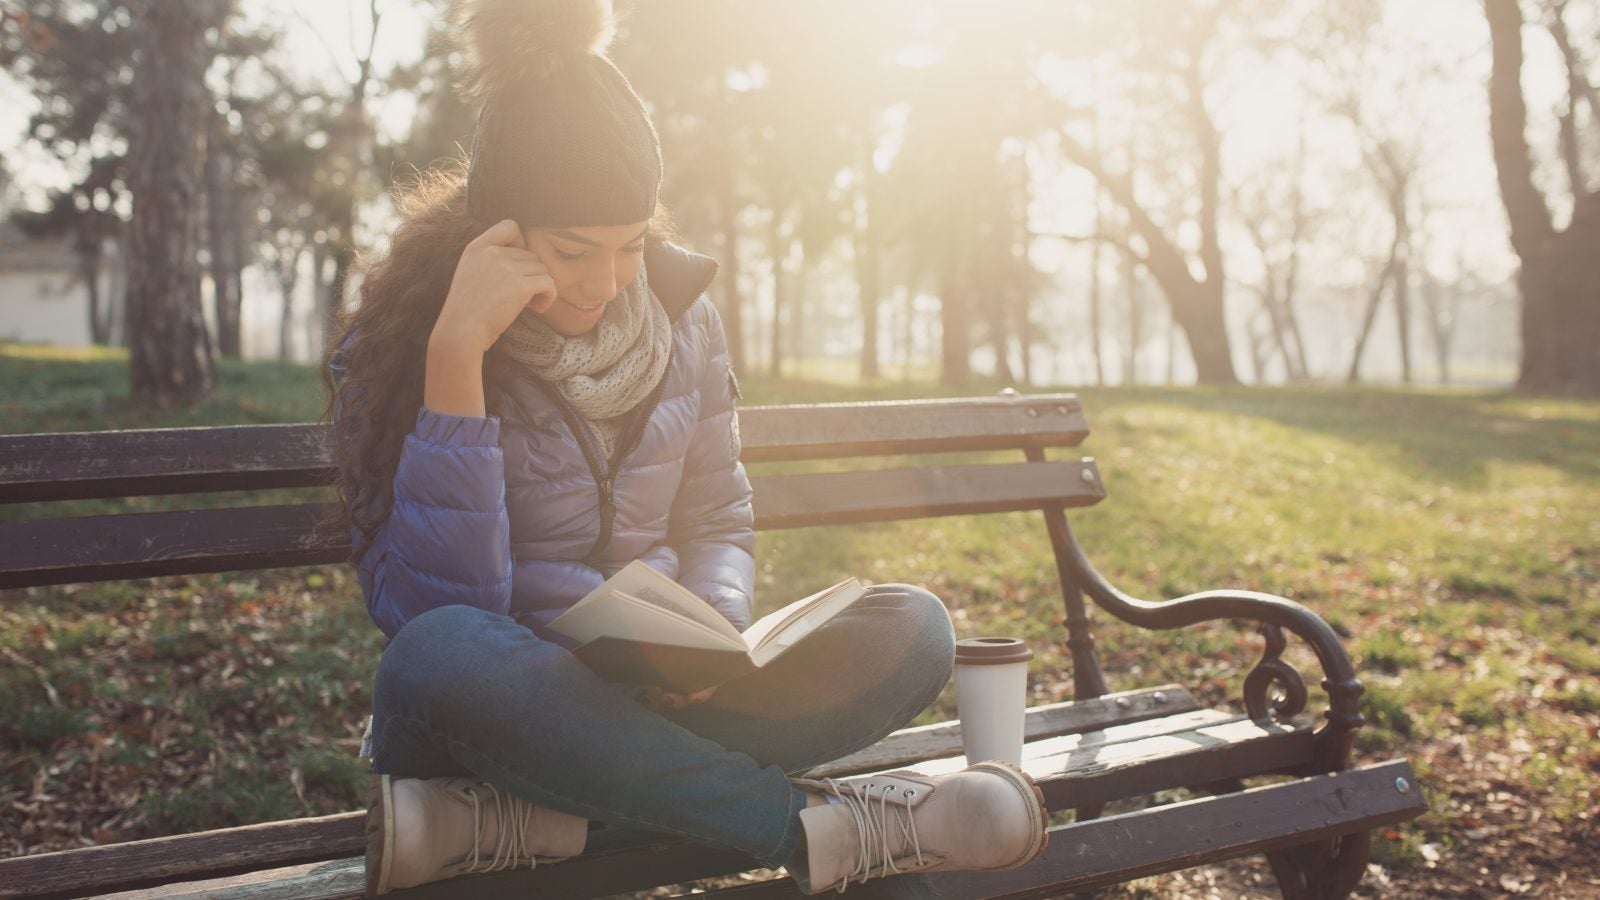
(45, 468)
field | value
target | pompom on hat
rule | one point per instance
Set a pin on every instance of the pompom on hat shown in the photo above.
(562, 140)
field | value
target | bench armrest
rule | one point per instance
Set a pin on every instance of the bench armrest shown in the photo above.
(1276, 614)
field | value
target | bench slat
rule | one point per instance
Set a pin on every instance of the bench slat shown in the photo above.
(831, 431)
(836, 498)
(90, 464)
(247, 848)
(254, 847)
(87, 464)
(142, 545)
(910, 746)
(1123, 847)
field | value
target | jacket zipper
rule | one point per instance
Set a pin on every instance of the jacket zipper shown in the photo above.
(608, 506)
(580, 433)
(604, 477)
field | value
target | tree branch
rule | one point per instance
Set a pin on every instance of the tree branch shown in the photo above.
(1526, 209)
(1163, 259)
(1577, 82)
(1118, 241)
(1210, 150)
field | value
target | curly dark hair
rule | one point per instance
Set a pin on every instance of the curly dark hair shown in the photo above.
(382, 341)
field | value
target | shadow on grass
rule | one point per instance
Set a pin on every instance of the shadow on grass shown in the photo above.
(1452, 437)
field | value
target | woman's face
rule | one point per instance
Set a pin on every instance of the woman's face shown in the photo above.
(590, 265)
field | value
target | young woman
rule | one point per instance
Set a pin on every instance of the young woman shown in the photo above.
(532, 393)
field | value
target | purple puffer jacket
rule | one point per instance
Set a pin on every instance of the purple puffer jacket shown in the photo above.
(516, 514)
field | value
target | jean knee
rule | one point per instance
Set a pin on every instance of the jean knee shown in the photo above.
(928, 621)
(432, 653)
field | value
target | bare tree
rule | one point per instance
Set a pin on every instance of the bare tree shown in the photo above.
(1560, 274)
(172, 359)
(1196, 303)
(1394, 173)
(1279, 233)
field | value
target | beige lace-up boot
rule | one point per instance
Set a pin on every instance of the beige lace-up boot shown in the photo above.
(426, 829)
(988, 816)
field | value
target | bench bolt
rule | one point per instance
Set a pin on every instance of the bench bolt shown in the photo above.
(1402, 785)
(1159, 697)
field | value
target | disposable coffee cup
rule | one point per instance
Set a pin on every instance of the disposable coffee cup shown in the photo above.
(992, 697)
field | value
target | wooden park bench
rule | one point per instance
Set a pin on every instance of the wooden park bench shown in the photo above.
(1267, 781)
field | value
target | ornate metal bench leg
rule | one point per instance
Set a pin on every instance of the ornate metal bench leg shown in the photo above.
(1326, 870)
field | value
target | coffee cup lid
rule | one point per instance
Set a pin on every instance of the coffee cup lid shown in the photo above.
(991, 651)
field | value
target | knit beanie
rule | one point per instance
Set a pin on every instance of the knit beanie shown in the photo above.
(562, 139)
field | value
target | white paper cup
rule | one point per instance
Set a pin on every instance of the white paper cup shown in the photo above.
(992, 697)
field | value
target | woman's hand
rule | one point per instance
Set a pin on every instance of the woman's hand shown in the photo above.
(496, 278)
(657, 699)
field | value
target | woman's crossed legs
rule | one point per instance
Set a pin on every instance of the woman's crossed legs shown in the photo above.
(462, 691)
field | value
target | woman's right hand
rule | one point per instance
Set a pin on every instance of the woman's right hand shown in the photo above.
(496, 278)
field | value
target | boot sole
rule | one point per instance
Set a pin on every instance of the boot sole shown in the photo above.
(380, 834)
(1025, 785)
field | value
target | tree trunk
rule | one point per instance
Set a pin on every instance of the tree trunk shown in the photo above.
(1441, 325)
(1000, 339)
(219, 222)
(288, 277)
(1172, 352)
(907, 334)
(116, 299)
(955, 346)
(1130, 360)
(1259, 351)
(1097, 348)
(89, 271)
(172, 360)
(732, 303)
(1200, 314)
(1402, 314)
(318, 328)
(868, 288)
(1300, 369)
(1354, 374)
(1560, 275)
(775, 335)
(1561, 312)
(1025, 341)
(797, 315)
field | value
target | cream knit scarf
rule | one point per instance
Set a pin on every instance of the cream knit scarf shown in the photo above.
(607, 371)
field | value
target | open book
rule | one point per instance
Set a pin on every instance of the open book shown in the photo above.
(641, 627)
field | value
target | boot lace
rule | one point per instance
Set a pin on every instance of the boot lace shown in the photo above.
(515, 817)
(876, 819)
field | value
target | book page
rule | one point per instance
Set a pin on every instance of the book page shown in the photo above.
(621, 616)
(640, 581)
(777, 630)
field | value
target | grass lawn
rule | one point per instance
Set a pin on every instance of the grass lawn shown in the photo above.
(1453, 537)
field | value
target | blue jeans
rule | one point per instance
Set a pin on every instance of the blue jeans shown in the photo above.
(461, 691)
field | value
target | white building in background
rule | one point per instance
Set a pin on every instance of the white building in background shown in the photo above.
(43, 298)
